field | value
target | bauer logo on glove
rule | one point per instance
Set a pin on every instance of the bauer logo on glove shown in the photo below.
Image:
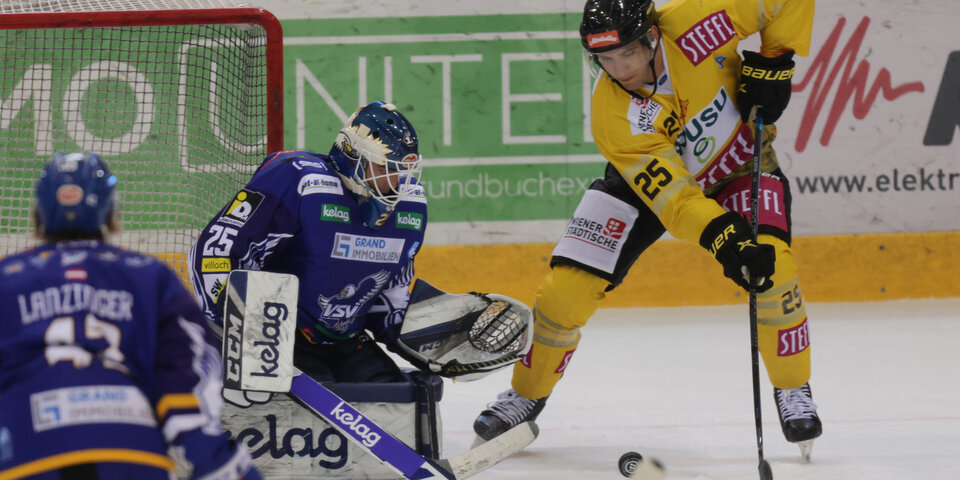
(765, 84)
(727, 238)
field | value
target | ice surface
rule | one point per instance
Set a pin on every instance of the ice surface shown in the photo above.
(674, 383)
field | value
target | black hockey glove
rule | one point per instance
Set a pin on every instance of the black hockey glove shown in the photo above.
(765, 83)
(727, 237)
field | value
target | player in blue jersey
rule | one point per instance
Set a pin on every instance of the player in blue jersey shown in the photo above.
(103, 358)
(348, 224)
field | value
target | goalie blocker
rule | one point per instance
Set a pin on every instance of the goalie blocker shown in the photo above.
(460, 336)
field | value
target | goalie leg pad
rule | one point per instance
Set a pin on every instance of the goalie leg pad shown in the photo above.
(567, 298)
(288, 441)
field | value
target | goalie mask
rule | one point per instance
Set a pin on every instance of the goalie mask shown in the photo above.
(377, 155)
(75, 194)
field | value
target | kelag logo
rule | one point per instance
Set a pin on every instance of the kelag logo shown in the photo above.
(410, 220)
(273, 315)
(279, 440)
(351, 420)
(335, 213)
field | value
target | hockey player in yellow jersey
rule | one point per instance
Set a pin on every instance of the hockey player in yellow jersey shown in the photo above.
(671, 114)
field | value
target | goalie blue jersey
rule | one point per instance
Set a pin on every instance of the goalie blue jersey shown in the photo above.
(296, 216)
(103, 358)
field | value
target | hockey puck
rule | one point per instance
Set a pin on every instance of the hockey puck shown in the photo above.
(633, 465)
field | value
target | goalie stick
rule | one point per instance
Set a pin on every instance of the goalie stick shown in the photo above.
(258, 330)
(396, 454)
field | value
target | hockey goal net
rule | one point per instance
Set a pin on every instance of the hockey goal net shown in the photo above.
(182, 98)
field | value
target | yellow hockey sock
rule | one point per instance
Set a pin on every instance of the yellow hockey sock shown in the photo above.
(567, 298)
(783, 334)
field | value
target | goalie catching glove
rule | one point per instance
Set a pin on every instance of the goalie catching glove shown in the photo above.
(465, 336)
(728, 238)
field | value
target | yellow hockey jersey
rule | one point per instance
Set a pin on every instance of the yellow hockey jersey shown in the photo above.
(688, 137)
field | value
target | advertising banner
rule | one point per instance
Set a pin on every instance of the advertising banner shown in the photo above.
(501, 101)
(500, 95)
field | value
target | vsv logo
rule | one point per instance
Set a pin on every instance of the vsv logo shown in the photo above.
(332, 310)
(274, 314)
(295, 443)
(354, 422)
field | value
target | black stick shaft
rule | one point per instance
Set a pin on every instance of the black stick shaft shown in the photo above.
(764, 467)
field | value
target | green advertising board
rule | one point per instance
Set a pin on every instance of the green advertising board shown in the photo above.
(500, 104)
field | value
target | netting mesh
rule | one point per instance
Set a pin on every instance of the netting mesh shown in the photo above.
(50, 6)
(179, 113)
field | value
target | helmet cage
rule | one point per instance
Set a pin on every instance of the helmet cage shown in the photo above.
(377, 152)
(374, 166)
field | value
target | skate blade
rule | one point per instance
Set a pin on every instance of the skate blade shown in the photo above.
(806, 447)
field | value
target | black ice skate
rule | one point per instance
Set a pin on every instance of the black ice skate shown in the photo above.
(509, 410)
(798, 416)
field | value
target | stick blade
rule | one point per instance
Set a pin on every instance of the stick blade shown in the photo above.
(491, 452)
(765, 472)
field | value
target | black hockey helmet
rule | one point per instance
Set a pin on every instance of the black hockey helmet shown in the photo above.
(609, 24)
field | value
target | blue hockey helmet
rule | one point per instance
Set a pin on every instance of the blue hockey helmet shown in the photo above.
(75, 193)
(377, 150)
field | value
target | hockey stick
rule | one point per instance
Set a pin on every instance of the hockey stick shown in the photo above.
(764, 467)
(259, 326)
(394, 453)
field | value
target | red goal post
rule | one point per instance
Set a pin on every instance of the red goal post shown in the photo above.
(183, 98)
